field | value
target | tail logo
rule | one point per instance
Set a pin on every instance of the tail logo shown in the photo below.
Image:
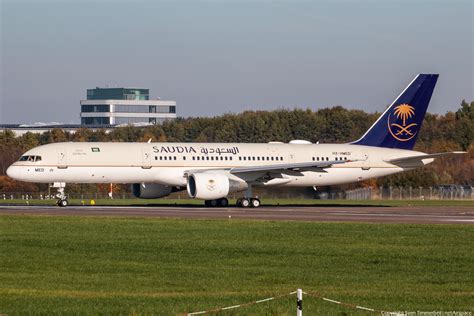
(399, 124)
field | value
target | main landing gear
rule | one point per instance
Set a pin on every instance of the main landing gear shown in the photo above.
(241, 202)
(248, 202)
(61, 196)
(217, 203)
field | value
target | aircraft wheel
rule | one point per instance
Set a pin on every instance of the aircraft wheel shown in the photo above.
(245, 203)
(223, 202)
(63, 203)
(239, 202)
(255, 202)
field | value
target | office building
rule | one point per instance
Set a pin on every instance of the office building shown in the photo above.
(115, 106)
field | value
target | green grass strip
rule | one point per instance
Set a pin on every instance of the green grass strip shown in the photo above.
(105, 265)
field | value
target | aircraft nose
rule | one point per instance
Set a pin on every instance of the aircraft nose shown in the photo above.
(14, 172)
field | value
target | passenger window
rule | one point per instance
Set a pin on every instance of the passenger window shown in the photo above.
(207, 158)
(230, 158)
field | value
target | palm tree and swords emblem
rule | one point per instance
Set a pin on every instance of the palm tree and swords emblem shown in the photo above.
(403, 132)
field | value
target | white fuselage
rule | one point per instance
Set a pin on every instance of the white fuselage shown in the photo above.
(169, 163)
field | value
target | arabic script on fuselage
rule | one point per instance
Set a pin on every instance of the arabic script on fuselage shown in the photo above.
(194, 150)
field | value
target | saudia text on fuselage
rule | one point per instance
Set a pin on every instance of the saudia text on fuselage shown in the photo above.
(192, 150)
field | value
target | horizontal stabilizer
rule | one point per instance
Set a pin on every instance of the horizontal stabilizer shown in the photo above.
(416, 161)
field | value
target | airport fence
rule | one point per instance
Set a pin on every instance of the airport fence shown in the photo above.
(315, 295)
(299, 305)
(442, 192)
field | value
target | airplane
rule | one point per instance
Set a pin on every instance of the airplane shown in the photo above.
(211, 171)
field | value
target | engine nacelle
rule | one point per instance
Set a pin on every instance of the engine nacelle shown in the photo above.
(208, 186)
(150, 190)
(213, 185)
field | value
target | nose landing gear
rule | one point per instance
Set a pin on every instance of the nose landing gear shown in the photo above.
(62, 203)
(61, 196)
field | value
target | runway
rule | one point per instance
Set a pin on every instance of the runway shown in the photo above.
(414, 215)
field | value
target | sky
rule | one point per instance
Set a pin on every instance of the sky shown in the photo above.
(216, 57)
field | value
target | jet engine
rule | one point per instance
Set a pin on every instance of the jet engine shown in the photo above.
(151, 190)
(212, 186)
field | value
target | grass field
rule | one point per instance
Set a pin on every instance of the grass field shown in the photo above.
(84, 265)
(270, 202)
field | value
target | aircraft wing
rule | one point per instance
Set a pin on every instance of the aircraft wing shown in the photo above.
(415, 161)
(276, 167)
(289, 166)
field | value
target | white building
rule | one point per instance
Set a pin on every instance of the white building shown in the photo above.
(114, 106)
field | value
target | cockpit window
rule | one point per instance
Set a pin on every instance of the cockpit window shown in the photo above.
(30, 158)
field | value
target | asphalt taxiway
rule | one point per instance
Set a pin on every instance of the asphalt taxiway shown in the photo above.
(415, 215)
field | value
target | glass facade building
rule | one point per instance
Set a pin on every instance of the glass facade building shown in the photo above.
(118, 94)
(115, 106)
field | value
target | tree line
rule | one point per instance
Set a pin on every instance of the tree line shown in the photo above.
(451, 131)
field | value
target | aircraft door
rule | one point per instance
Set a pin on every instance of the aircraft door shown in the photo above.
(146, 158)
(365, 161)
(62, 158)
